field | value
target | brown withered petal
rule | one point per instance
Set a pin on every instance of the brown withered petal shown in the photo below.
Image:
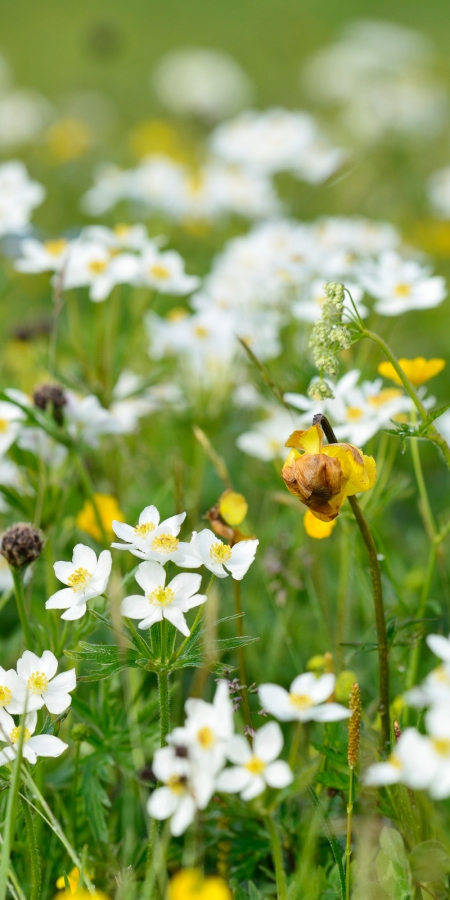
(318, 481)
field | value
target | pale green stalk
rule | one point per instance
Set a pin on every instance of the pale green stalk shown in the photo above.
(344, 571)
(17, 575)
(348, 844)
(10, 817)
(241, 653)
(33, 848)
(277, 855)
(425, 506)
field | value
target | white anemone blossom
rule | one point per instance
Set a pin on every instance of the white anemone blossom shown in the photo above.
(207, 550)
(165, 272)
(34, 745)
(12, 693)
(400, 285)
(151, 539)
(160, 602)
(42, 256)
(207, 729)
(185, 789)
(435, 689)
(305, 700)
(255, 768)
(92, 265)
(85, 577)
(41, 685)
(11, 418)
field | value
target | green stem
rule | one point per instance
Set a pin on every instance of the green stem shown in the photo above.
(240, 652)
(425, 507)
(348, 845)
(10, 817)
(198, 616)
(432, 432)
(344, 571)
(35, 859)
(76, 766)
(163, 689)
(17, 575)
(89, 492)
(277, 855)
(415, 655)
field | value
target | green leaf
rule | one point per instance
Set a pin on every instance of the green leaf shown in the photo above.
(429, 861)
(95, 799)
(253, 893)
(335, 780)
(338, 757)
(393, 876)
(110, 658)
(432, 416)
(15, 500)
(370, 891)
(391, 842)
(325, 822)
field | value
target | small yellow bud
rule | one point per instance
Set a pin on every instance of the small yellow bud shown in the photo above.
(233, 508)
(316, 664)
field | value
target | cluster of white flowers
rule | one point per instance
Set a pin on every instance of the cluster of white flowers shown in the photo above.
(31, 686)
(19, 196)
(422, 761)
(383, 79)
(193, 766)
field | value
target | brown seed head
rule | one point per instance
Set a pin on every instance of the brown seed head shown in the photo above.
(51, 395)
(354, 726)
(21, 544)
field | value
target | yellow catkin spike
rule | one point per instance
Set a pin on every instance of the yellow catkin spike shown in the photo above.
(354, 726)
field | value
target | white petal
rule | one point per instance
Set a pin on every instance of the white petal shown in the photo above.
(29, 754)
(304, 684)
(192, 602)
(278, 774)
(103, 569)
(65, 681)
(162, 803)
(173, 524)
(62, 599)
(439, 645)
(255, 787)
(123, 531)
(234, 780)
(185, 585)
(49, 664)
(27, 664)
(268, 742)
(275, 699)
(85, 558)
(74, 612)
(149, 514)
(183, 816)
(7, 724)
(323, 687)
(63, 571)
(46, 745)
(156, 615)
(57, 702)
(6, 755)
(329, 712)
(238, 750)
(175, 616)
(150, 575)
(135, 607)
(242, 556)
(382, 773)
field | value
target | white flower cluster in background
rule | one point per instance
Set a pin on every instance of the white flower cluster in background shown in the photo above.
(23, 112)
(422, 761)
(19, 196)
(382, 78)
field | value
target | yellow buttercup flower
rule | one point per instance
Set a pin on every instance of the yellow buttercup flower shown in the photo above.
(323, 477)
(74, 891)
(69, 139)
(73, 878)
(315, 528)
(189, 884)
(108, 508)
(233, 508)
(418, 370)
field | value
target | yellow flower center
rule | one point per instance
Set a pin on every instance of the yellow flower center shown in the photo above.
(205, 737)
(37, 683)
(255, 765)
(97, 266)
(4, 425)
(55, 248)
(122, 230)
(402, 289)
(220, 552)
(441, 675)
(177, 784)
(162, 596)
(394, 761)
(79, 579)
(5, 695)
(354, 413)
(195, 184)
(158, 271)
(201, 332)
(144, 529)
(15, 734)
(384, 397)
(441, 745)
(165, 543)
(301, 701)
(177, 314)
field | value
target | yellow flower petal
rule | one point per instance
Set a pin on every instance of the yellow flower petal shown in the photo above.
(233, 508)
(189, 884)
(316, 528)
(361, 470)
(310, 441)
(108, 508)
(418, 370)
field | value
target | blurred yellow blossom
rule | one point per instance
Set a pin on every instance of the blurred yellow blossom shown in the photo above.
(315, 528)
(108, 509)
(73, 878)
(155, 136)
(344, 683)
(189, 884)
(233, 507)
(74, 891)
(69, 139)
(418, 370)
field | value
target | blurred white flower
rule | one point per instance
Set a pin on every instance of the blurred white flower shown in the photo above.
(11, 423)
(201, 82)
(42, 256)
(267, 439)
(165, 272)
(12, 692)
(410, 763)
(92, 265)
(46, 745)
(258, 767)
(205, 549)
(305, 700)
(160, 602)
(86, 578)
(41, 685)
(400, 285)
(186, 788)
(18, 197)
(439, 192)
(23, 115)
(87, 419)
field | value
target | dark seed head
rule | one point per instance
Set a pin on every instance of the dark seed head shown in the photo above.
(51, 395)
(181, 752)
(21, 544)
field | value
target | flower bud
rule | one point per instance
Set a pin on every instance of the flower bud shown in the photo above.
(354, 726)
(51, 395)
(21, 544)
(81, 732)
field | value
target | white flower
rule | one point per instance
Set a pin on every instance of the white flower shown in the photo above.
(165, 272)
(304, 700)
(411, 762)
(152, 539)
(205, 549)
(201, 82)
(255, 768)
(11, 418)
(47, 256)
(439, 192)
(121, 237)
(37, 675)
(267, 439)
(87, 578)
(87, 418)
(12, 691)
(400, 285)
(309, 309)
(93, 265)
(186, 789)
(435, 689)
(207, 729)
(18, 197)
(161, 602)
(33, 745)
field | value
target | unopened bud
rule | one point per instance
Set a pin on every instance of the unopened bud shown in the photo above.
(21, 544)
(51, 395)
(80, 733)
(354, 726)
(320, 390)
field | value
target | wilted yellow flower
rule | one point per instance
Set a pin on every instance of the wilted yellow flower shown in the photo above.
(418, 370)
(69, 139)
(108, 509)
(315, 528)
(233, 508)
(323, 477)
(189, 884)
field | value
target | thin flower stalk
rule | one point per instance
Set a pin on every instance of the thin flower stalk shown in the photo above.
(17, 575)
(354, 730)
(241, 652)
(277, 855)
(10, 817)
